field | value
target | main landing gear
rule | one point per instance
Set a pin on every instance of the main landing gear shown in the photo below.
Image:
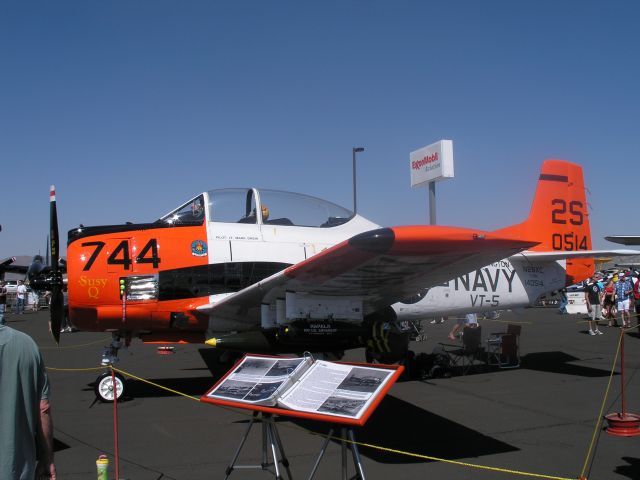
(104, 387)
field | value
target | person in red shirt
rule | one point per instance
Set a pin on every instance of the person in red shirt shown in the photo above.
(609, 304)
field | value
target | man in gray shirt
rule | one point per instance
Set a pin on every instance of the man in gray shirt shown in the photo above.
(26, 427)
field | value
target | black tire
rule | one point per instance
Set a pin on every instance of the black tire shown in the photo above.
(103, 387)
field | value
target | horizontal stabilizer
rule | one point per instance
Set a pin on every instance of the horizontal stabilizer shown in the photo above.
(564, 255)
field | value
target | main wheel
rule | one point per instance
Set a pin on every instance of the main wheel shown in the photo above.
(103, 387)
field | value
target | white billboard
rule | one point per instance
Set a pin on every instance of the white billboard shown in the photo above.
(431, 163)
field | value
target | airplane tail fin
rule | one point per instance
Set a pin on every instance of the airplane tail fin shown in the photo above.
(559, 218)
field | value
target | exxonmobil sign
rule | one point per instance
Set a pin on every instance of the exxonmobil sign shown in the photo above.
(418, 164)
(431, 163)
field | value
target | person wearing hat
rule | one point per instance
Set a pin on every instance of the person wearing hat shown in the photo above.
(624, 289)
(593, 296)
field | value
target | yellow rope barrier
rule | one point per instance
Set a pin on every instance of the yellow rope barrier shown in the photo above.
(395, 451)
(444, 460)
(376, 447)
(90, 369)
(57, 347)
(385, 449)
(155, 384)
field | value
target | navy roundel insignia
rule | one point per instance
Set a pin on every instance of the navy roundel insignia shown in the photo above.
(198, 248)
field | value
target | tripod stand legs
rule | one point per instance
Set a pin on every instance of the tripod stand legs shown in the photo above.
(270, 442)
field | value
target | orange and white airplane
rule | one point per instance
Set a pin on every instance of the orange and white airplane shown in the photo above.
(271, 271)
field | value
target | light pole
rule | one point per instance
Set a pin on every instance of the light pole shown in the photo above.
(355, 150)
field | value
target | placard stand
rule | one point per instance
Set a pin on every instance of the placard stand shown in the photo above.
(271, 439)
(270, 442)
(346, 434)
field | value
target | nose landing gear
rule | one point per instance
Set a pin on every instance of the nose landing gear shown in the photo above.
(105, 388)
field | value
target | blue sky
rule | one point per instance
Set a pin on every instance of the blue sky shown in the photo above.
(132, 107)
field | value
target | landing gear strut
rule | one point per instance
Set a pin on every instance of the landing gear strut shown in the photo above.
(104, 387)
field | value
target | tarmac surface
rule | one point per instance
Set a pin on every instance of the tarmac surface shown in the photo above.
(537, 419)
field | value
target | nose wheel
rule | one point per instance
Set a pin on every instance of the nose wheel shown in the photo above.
(105, 390)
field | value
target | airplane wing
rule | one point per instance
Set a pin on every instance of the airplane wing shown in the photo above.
(624, 239)
(6, 266)
(568, 255)
(381, 266)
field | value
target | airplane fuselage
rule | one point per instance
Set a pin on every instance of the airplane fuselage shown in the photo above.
(506, 284)
(192, 258)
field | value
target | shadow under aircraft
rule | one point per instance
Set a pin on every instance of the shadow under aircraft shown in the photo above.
(393, 435)
(560, 362)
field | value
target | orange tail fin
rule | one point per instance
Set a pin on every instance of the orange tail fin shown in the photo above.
(559, 218)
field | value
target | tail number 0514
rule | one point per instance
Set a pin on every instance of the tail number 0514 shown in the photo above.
(564, 214)
(568, 241)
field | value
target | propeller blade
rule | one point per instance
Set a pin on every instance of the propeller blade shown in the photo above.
(53, 227)
(56, 312)
(57, 299)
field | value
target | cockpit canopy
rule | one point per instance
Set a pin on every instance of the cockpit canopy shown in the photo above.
(253, 206)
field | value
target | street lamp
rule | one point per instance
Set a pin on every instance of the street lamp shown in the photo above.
(354, 151)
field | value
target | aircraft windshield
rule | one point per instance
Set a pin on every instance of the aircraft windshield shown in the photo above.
(274, 208)
(191, 212)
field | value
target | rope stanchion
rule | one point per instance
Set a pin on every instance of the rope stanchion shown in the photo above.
(623, 423)
(596, 430)
(115, 422)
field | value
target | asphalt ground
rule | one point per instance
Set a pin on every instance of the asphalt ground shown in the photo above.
(537, 419)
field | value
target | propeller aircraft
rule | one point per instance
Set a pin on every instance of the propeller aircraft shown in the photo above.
(257, 270)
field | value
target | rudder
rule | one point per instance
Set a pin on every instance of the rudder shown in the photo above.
(559, 218)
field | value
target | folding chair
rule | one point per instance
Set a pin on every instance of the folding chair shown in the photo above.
(503, 349)
(465, 356)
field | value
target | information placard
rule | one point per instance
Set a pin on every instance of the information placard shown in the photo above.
(431, 163)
